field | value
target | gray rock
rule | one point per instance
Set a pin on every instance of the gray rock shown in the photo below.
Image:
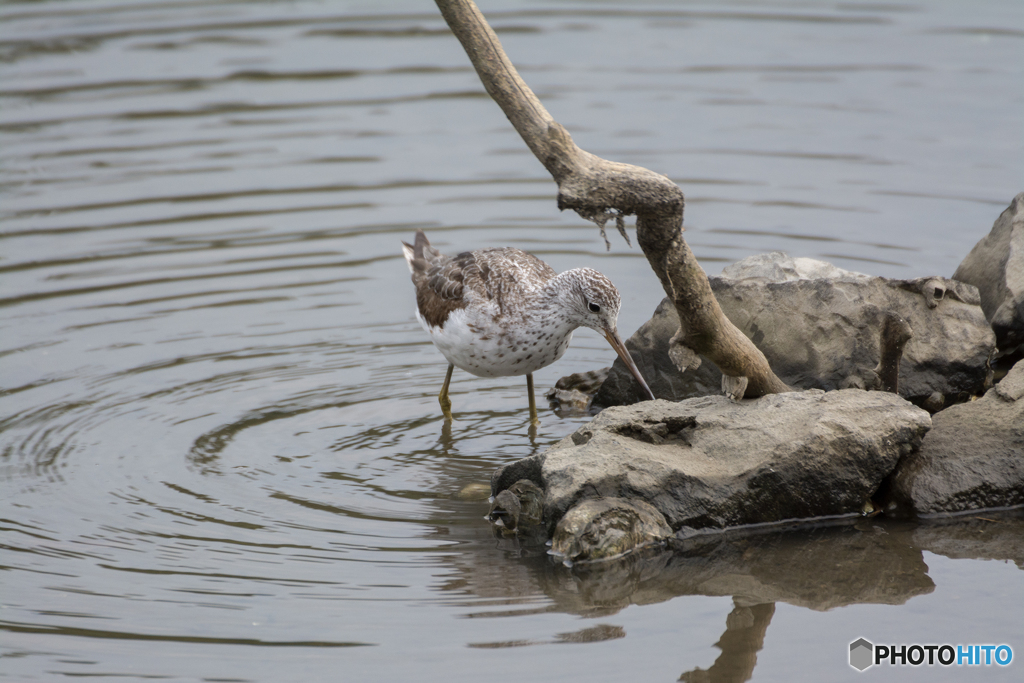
(973, 458)
(710, 462)
(777, 266)
(824, 333)
(996, 267)
(649, 348)
(572, 394)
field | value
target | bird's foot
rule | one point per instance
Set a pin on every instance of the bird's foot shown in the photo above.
(443, 399)
(446, 407)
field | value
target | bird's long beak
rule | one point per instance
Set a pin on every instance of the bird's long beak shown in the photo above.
(613, 338)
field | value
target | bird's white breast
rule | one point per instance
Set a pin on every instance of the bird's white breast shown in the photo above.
(471, 340)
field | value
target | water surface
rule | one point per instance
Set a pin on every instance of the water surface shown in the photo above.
(221, 450)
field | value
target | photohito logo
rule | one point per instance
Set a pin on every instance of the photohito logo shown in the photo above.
(863, 654)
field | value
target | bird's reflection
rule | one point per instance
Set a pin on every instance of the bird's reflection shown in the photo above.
(445, 440)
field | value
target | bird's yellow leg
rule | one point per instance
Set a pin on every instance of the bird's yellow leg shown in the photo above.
(534, 420)
(442, 398)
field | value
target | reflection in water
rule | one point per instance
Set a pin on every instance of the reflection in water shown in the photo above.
(818, 568)
(863, 562)
(743, 638)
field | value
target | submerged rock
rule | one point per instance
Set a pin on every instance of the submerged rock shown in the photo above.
(710, 462)
(474, 491)
(996, 267)
(972, 458)
(820, 327)
(519, 506)
(603, 528)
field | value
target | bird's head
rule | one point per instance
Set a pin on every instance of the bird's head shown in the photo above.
(592, 300)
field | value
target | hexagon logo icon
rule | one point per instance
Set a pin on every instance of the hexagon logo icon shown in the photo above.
(861, 654)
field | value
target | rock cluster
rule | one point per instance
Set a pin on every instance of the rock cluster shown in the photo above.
(710, 462)
(638, 474)
(819, 327)
(972, 458)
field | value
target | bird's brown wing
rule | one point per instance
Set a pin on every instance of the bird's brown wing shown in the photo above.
(504, 275)
(439, 279)
(445, 284)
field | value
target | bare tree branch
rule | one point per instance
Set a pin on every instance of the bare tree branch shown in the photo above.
(598, 189)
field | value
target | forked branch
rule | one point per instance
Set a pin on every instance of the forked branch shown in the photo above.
(597, 188)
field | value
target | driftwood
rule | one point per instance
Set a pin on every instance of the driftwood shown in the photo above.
(600, 190)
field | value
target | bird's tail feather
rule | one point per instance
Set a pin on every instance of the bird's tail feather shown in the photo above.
(420, 254)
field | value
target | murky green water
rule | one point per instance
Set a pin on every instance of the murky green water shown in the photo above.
(221, 452)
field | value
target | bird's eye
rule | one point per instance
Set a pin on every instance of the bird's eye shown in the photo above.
(594, 307)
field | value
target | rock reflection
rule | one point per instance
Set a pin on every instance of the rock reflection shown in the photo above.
(982, 536)
(866, 561)
(818, 568)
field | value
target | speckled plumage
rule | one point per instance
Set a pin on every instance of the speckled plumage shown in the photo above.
(503, 312)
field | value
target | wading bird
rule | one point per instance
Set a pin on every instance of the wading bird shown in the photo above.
(502, 312)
